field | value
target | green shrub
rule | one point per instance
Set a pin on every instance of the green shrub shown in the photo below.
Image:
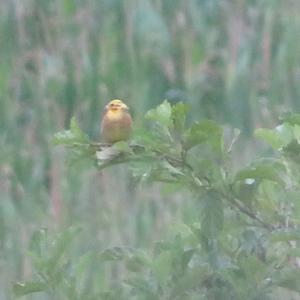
(243, 243)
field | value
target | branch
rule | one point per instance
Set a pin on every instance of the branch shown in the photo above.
(249, 213)
(175, 161)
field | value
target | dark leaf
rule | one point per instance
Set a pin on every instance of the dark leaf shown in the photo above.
(212, 215)
(179, 115)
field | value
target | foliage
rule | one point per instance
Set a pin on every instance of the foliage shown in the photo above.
(243, 243)
(236, 62)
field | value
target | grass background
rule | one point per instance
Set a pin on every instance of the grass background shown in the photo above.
(237, 62)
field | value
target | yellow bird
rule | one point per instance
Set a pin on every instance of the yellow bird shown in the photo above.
(116, 122)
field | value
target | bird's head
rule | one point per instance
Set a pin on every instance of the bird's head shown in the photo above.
(116, 105)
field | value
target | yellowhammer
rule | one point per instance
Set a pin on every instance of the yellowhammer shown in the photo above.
(116, 123)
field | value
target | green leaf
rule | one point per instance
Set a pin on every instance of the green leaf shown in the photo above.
(296, 131)
(186, 258)
(75, 129)
(142, 287)
(24, 288)
(38, 242)
(192, 280)
(161, 267)
(246, 190)
(212, 215)
(65, 137)
(114, 254)
(272, 170)
(285, 132)
(288, 278)
(179, 111)
(82, 263)
(58, 249)
(291, 118)
(123, 147)
(69, 7)
(38, 248)
(171, 169)
(285, 236)
(147, 138)
(204, 132)
(69, 137)
(161, 114)
(294, 252)
(270, 136)
(137, 261)
(292, 151)
(252, 268)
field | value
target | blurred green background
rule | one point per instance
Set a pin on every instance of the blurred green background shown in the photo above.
(236, 61)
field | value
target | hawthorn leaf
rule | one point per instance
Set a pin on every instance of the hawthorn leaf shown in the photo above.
(161, 114)
(270, 136)
(24, 288)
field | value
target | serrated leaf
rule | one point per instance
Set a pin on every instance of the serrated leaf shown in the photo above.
(161, 114)
(204, 132)
(25, 288)
(270, 136)
(145, 137)
(69, 137)
(65, 137)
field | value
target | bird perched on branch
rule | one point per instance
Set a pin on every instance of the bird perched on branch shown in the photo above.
(116, 123)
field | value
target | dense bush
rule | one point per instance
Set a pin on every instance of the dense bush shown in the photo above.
(242, 242)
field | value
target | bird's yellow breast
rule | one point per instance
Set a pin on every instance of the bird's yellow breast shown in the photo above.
(116, 122)
(114, 115)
